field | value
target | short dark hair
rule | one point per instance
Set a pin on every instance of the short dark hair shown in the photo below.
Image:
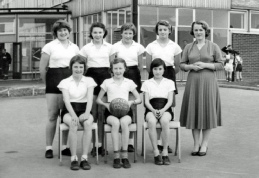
(99, 25)
(116, 61)
(129, 26)
(80, 60)
(58, 25)
(203, 24)
(164, 23)
(157, 62)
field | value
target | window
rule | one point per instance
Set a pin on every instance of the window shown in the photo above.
(220, 19)
(146, 17)
(220, 37)
(7, 24)
(185, 16)
(205, 15)
(167, 14)
(255, 20)
(237, 20)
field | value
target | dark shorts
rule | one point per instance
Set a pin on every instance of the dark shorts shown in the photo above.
(79, 109)
(107, 114)
(159, 103)
(54, 77)
(133, 73)
(170, 74)
(99, 75)
(239, 68)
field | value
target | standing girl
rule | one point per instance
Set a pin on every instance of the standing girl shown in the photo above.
(54, 63)
(77, 92)
(97, 54)
(132, 53)
(119, 87)
(158, 93)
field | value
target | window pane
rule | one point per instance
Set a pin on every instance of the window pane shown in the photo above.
(147, 35)
(220, 19)
(220, 37)
(255, 21)
(95, 18)
(184, 36)
(128, 16)
(172, 35)
(108, 26)
(167, 14)
(185, 16)
(147, 15)
(204, 15)
(236, 20)
(121, 17)
(7, 24)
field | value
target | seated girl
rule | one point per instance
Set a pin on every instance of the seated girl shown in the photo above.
(158, 93)
(77, 93)
(119, 87)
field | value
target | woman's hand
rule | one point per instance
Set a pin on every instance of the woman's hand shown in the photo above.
(202, 65)
(131, 102)
(156, 113)
(107, 105)
(75, 120)
(85, 116)
(160, 113)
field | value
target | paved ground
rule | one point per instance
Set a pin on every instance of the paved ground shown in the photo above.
(233, 149)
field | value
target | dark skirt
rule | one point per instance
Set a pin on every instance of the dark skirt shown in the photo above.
(79, 109)
(54, 77)
(99, 75)
(239, 68)
(107, 114)
(159, 103)
(170, 74)
(133, 73)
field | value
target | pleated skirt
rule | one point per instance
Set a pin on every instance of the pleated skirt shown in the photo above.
(201, 105)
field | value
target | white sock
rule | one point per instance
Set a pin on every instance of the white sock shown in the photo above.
(84, 157)
(99, 144)
(131, 140)
(48, 147)
(159, 142)
(73, 158)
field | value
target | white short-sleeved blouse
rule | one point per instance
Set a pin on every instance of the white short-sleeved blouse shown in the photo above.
(77, 93)
(60, 56)
(129, 54)
(118, 91)
(166, 53)
(156, 90)
(97, 57)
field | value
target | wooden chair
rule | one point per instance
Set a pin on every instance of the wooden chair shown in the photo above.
(64, 127)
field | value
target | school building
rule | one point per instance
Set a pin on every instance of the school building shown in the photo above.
(25, 26)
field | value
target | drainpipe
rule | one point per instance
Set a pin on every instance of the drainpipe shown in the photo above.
(134, 11)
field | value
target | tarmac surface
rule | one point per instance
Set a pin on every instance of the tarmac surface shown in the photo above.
(233, 148)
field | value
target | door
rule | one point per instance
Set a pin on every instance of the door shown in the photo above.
(17, 60)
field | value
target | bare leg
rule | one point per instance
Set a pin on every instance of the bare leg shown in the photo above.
(164, 121)
(125, 122)
(115, 123)
(87, 135)
(196, 138)
(205, 139)
(151, 120)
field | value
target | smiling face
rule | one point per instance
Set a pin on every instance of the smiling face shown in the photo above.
(77, 69)
(199, 32)
(118, 69)
(163, 31)
(127, 36)
(158, 72)
(62, 34)
(97, 34)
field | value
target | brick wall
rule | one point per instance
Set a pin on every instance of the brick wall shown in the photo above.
(248, 46)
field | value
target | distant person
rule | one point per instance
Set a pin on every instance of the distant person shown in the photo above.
(6, 61)
(201, 105)
(239, 67)
(228, 64)
(54, 67)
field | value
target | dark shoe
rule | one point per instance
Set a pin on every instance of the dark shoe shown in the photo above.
(117, 163)
(158, 160)
(125, 163)
(166, 160)
(74, 166)
(93, 152)
(66, 152)
(101, 151)
(170, 150)
(85, 165)
(131, 148)
(49, 154)
(203, 153)
(196, 153)
(160, 148)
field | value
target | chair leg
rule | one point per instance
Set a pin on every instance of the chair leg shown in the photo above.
(96, 144)
(135, 146)
(60, 142)
(179, 145)
(144, 144)
(176, 142)
(142, 148)
(105, 147)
